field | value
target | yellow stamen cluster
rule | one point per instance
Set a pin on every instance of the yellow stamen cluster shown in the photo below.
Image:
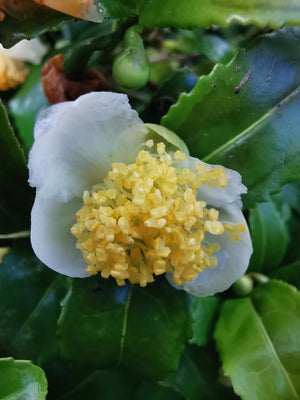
(12, 72)
(144, 219)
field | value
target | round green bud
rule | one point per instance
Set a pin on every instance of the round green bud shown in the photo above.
(243, 286)
(131, 67)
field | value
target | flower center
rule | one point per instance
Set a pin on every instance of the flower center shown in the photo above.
(144, 219)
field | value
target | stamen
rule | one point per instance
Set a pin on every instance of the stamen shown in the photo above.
(145, 219)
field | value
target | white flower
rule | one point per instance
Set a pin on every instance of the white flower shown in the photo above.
(31, 51)
(137, 206)
(12, 70)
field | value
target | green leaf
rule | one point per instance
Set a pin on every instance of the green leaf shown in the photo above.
(36, 338)
(291, 194)
(203, 312)
(270, 237)
(21, 380)
(258, 341)
(32, 21)
(244, 115)
(142, 329)
(27, 103)
(152, 391)
(289, 273)
(203, 14)
(30, 296)
(109, 384)
(15, 195)
(118, 9)
(197, 376)
(210, 45)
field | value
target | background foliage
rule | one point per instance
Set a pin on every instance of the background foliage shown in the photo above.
(225, 76)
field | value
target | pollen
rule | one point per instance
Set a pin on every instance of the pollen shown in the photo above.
(145, 219)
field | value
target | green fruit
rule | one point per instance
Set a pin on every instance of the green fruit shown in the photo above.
(131, 67)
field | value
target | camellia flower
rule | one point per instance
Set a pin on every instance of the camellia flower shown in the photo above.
(121, 198)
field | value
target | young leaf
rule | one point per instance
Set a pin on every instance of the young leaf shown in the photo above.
(258, 342)
(269, 237)
(14, 208)
(21, 380)
(142, 329)
(27, 103)
(219, 12)
(244, 115)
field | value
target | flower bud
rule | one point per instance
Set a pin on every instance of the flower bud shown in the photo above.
(131, 67)
(243, 286)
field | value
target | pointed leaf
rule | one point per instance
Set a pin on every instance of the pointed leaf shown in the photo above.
(14, 208)
(258, 341)
(244, 115)
(142, 329)
(219, 12)
(21, 380)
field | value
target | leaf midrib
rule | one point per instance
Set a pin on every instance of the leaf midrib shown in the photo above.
(124, 325)
(268, 114)
(264, 333)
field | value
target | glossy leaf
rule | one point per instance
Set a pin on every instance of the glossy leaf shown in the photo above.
(203, 312)
(15, 195)
(219, 12)
(259, 345)
(21, 380)
(210, 45)
(197, 376)
(30, 296)
(29, 21)
(142, 329)
(107, 384)
(27, 103)
(153, 391)
(269, 235)
(289, 273)
(244, 115)
(118, 9)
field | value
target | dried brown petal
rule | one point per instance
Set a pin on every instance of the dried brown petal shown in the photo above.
(18, 9)
(58, 88)
(84, 9)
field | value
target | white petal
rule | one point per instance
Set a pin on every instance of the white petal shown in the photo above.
(27, 50)
(233, 260)
(51, 238)
(217, 196)
(76, 142)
